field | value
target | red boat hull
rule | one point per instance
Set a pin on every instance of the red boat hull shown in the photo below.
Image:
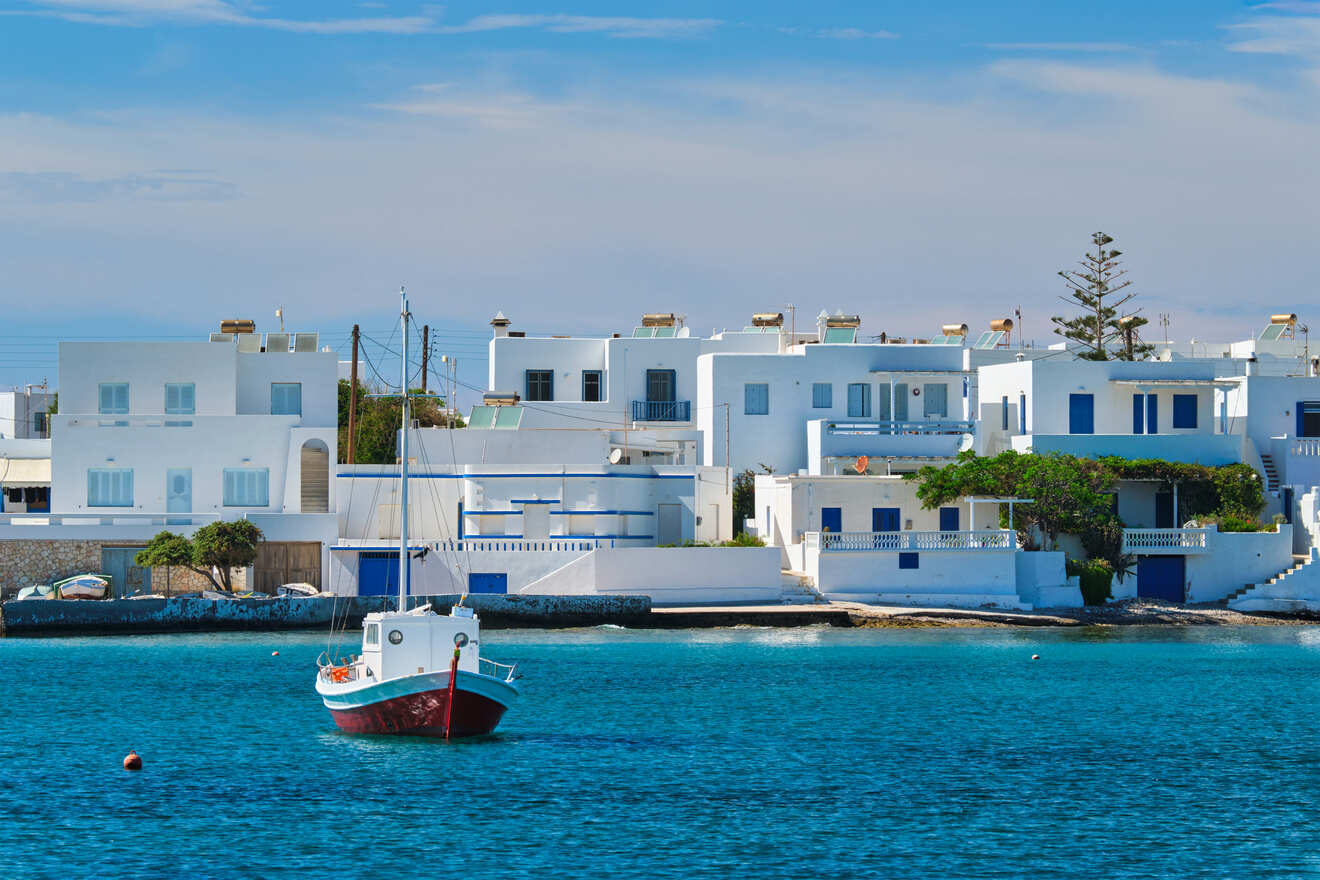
(423, 714)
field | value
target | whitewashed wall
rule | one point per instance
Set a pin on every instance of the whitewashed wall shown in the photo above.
(672, 576)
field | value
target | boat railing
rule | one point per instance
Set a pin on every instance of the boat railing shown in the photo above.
(503, 671)
(337, 672)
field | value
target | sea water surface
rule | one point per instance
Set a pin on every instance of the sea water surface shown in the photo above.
(795, 753)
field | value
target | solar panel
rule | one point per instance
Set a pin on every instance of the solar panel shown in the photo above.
(482, 417)
(643, 332)
(508, 417)
(990, 338)
(1273, 332)
(305, 341)
(841, 334)
(939, 340)
(664, 332)
(277, 343)
(249, 343)
(222, 337)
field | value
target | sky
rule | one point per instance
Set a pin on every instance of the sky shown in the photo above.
(165, 164)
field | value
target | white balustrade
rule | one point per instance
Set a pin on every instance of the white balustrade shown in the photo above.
(1306, 447)
(893, 542)
(1153, 541)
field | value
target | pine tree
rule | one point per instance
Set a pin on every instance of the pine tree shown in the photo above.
(1101, 322)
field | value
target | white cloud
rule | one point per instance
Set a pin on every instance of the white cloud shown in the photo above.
(714, 197)
(580, 24)
(138, 13)
(1278, 35)
(851, 33)
(1060, 47)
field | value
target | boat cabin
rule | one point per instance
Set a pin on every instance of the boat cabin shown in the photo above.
(395, 644)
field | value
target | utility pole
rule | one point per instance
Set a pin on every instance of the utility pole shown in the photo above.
(426, 352)
(352, 399)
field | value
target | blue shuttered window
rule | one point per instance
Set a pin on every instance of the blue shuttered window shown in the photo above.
(1022, 412)
(859, 400)
(247, 487)
(756, 399)
(180, 398)
(114, 397)
(540, 385)
(286, 399)
(1138, 413)
(822, 395)
(109, 487)
(936, 400)
(900, 402)
(1184, 410)
(1152, 414)
(1003, 412)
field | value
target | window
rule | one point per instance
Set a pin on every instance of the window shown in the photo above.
(1003, 412)
(1022, 412)
(936, 400)
(591, 386)
(114, 397)
(540, 385)
(822, 395)
(180, 398)
(373, 634)
(1081, 413)
(40, 424)
(756, 399)
(247, 487)
(909, 560)
(285, 399)
(859, 400)
(1138, 413)
(109, 487)
(1184, 410)
(1308, 419)
(660, 386)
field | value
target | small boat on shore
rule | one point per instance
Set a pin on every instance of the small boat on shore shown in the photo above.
(83, 586)
(420, 673)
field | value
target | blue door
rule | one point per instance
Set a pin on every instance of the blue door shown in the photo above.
(488, 582)
(126, 576)
(884, 519)
(378, 574)
(1081, 413)
(831, 520)
(948, 519)
(1161, 577)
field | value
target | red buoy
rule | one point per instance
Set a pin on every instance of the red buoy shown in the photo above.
(1035, 656)
(274, 653)
(132, 761)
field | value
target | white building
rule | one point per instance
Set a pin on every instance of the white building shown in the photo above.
(156, 435)
(24, 414)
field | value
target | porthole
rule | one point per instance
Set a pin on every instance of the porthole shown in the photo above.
(395, 637)
(460, 640)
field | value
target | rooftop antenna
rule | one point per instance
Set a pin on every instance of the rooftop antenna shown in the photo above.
(1017, 313)
(1164, 322)
(279, 313)
(792, 335)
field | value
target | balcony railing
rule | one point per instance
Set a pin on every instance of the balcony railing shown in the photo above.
(942, 426)
(661, 410)
(1148, 542)
(893, 542)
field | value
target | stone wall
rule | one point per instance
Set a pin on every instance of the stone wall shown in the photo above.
(24, 563)
(172, 580)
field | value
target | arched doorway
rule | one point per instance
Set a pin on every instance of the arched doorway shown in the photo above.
(315, 477)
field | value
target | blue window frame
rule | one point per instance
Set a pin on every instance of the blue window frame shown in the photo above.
(109, 487)
(180, 398)
(1152, 414)
(909, 560)
(247, 487)
(1003, 412)
(822, 395)
(949, 519)
(114, 398)
(1308, 418)
(1081, 413)
(1184, 410)
(1022, 412)
(936, 402)
(591, 386)
(286, 399)
(756, 399)
(1138, 413)
(900, 402)
(540, 385)
(859, 400)
(661, 386)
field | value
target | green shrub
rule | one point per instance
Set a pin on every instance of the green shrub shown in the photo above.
(744, 540)
(1096, 576)
(1230, 523)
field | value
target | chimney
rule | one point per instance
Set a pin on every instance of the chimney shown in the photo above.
(501, 324)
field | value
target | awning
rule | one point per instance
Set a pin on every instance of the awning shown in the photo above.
(20, 473)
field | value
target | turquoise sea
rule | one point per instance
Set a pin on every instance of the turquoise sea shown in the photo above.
(719, 753)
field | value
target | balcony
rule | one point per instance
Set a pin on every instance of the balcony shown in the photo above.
(828, 440)
(662, 410)
(1163, 542)
(896, 542)
(1206, 449)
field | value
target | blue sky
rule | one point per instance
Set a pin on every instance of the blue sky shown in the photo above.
(166, 163)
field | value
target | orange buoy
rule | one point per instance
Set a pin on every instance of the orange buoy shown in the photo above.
(274, 653)
(132, 761)
(1035, 656)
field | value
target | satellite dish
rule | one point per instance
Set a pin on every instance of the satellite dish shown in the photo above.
(616, 456)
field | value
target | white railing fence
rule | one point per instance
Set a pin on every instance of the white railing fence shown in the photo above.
(891, 542)
(1146, 540)
(1306, 447)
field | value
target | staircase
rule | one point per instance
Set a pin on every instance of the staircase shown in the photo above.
(1271, 473)
(1300, 560)
(798, 589)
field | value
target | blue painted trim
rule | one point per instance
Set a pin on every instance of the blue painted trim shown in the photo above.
(534, 501)
(521, 476)
(504, 537)
(380, 549)
(602, 512)
(603, 537)
(492, 513)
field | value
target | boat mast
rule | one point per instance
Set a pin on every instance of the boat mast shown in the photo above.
(403, 465)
